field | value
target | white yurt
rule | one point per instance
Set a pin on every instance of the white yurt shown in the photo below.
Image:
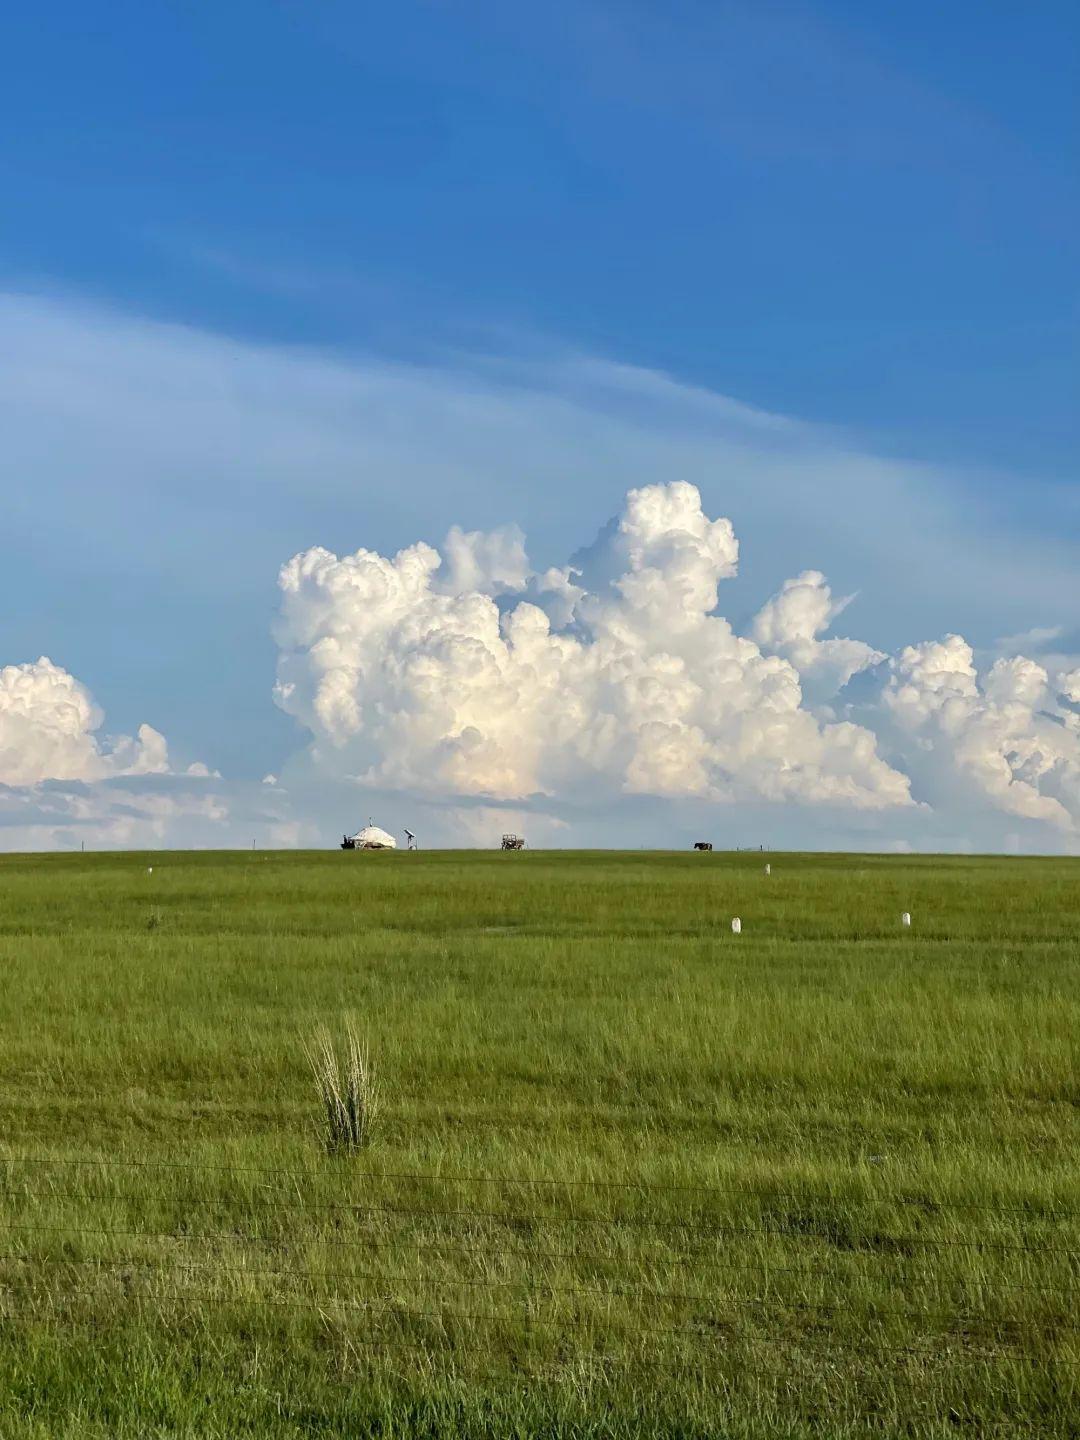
(372, 838)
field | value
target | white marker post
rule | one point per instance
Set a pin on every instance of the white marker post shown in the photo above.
(905, 920)
(736, 926)
(768, 869)
(149, 869)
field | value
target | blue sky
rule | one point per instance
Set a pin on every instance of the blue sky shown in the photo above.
(864, 215)
(293, 274)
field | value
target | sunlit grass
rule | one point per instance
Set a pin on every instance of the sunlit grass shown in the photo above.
(818, 1178)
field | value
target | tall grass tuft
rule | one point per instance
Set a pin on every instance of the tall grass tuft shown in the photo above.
(347, 1088)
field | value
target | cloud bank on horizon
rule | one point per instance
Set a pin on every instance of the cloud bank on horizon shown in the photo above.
(466, 681)
(468, 675)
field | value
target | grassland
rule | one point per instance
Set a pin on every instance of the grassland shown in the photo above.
(634, 1175)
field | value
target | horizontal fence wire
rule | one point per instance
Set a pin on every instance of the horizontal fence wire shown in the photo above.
(407, 1243)
(930, 1203)
(523, 1293)
(599, 1367)
(531, 1287)
(703, 1226)
(852, 1243)
(875, 1242)
(530, 1320)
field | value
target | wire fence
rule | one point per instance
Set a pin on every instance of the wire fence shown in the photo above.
(404, 1359)
(484, 1252)
(713, 1321)
(334, 1309)
(377, 1177)
(876, 1242)
(534, 1287)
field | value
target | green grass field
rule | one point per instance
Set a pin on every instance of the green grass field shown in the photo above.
(634, 1175)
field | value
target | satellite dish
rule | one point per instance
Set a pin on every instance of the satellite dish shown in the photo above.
(411, 838)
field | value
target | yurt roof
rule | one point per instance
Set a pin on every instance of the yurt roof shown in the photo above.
(372, 835)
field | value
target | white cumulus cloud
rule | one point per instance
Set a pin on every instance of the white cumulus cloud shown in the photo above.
(792, 622)
(1069, 685)
(636, 686)
(1001, 737)
(48, 731)
(62, 783)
